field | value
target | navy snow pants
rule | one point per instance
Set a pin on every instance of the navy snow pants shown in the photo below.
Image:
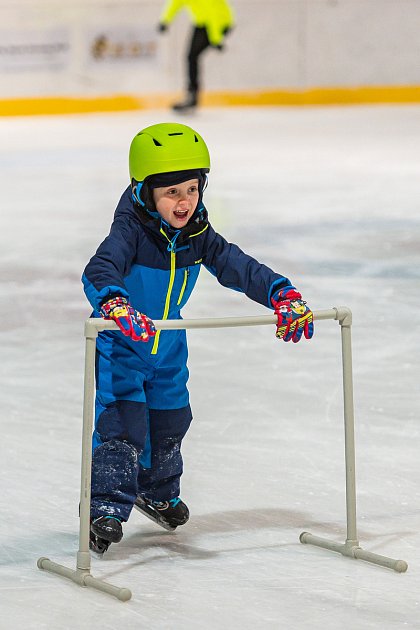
(142, 414)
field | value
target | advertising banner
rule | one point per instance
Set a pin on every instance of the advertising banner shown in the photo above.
(37, 50)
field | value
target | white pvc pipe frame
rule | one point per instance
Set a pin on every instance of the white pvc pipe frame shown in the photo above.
(350, 547)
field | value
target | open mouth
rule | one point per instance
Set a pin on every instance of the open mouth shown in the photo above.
(181, 214)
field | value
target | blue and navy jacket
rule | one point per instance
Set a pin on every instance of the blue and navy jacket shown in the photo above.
(156, 267)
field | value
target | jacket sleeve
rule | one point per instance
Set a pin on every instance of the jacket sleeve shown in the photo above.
(219, 18)
(170, 10)
(236, 270)
(105, 272)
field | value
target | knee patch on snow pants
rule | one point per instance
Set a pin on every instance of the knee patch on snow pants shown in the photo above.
(114, 479)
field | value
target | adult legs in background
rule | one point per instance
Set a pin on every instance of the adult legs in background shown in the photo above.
(199, 43)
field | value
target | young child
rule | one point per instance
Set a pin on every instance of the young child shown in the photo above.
(146, 269)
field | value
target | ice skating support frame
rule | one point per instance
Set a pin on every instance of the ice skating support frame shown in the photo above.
(82, 576)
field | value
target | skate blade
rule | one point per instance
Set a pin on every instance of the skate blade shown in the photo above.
(98, 545)
(153, 516)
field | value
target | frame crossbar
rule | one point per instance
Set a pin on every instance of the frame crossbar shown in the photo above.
(351, 548)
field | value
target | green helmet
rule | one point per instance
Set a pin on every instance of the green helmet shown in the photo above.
(166, 148)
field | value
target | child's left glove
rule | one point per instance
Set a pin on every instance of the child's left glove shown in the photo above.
(131, 323)
(293, 316)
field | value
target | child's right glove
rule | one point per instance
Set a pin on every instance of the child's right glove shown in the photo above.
(131, 323)
(293, 316)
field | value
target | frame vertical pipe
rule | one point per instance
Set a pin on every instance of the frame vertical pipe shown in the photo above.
(345, 324)
(83, 556)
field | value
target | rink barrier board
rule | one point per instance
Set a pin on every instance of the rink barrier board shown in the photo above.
(59, 105)
(350, 548)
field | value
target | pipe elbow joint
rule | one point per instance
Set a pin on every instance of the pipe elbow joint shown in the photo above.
(343, 315)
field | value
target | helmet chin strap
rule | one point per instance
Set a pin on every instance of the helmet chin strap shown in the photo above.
(136, 193)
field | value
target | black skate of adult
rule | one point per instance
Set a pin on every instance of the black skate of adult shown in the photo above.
(104, 531)
(187, 105)
(167, 514)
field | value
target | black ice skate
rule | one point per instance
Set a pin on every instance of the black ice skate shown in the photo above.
(167, 514)
(188, 104)
(97, 544)
(104, 530)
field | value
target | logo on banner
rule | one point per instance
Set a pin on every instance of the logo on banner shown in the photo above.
(121, 45)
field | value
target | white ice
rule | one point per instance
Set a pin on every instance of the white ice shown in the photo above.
(330, 198)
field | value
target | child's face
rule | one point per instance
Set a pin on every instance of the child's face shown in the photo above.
(176, 204)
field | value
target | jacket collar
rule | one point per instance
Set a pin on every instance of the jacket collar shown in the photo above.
(176, 239)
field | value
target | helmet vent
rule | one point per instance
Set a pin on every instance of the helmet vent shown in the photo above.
(177, 133)
(156, 143)
(195, 138)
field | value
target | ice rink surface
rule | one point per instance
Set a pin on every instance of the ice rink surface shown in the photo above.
(326, 196)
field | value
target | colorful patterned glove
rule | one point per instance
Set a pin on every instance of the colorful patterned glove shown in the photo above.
(293, 316)
(131, 323)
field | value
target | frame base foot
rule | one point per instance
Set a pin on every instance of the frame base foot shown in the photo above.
(84, 578)
(351, 549)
